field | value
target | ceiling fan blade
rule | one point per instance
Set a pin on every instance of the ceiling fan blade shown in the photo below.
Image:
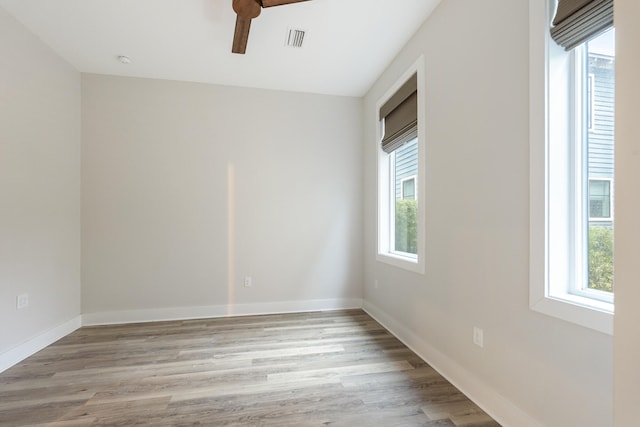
(269, 3)
(241, 35)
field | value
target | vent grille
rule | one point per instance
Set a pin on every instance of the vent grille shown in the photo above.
(295, 37)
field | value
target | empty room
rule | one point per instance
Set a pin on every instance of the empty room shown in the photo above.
(319, 212)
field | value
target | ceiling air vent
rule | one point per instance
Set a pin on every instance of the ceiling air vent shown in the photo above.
(295, 37)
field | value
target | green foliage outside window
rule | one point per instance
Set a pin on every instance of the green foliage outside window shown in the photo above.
(601, 258)
(407, 226)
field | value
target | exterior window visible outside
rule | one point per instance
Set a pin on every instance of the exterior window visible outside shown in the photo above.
(572, 169)
(409, 188)
(400, 158)
(600, 200)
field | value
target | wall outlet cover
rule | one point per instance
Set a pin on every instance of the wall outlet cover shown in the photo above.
(22, 301)
(478, 336)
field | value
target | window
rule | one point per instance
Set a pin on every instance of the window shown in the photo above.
(600, 200)
(400, 173)
(571, 154)
(409, 185)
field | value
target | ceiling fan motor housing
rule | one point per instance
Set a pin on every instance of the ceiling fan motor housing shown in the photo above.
(247, 9)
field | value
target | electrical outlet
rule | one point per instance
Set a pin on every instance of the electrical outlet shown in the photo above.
(478, 336)
(22, 301)
(248, 282)
(376, 285)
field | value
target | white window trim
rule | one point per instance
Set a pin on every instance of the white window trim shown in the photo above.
(587, 312)
(611, 193)
(415, 186)
(410, 262)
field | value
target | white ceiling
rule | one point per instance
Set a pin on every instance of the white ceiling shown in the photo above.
(347, 46)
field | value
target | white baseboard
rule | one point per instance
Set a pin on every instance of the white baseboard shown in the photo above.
(32, 346)
(184, 313)
(494, 404)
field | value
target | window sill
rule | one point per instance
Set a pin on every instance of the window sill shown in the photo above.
(593, 314)
(404, 262)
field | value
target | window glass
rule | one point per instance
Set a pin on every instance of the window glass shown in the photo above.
(404, 165)
(600, 66)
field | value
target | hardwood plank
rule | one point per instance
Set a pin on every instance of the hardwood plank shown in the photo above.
(304, 369)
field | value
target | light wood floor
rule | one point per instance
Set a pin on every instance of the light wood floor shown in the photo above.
(312, 369)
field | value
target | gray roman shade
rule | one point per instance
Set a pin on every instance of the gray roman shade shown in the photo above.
(400, 115)
(577, 21)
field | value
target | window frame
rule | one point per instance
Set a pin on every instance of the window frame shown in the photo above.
(551, 85)
(385, 233)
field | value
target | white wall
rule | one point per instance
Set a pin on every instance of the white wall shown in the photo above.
(39, 188)
(627, 209)
(533, 369)
(187, 188)
(183, 196)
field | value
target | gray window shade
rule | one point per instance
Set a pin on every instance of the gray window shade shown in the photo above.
(577, 21)
(400, 114)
